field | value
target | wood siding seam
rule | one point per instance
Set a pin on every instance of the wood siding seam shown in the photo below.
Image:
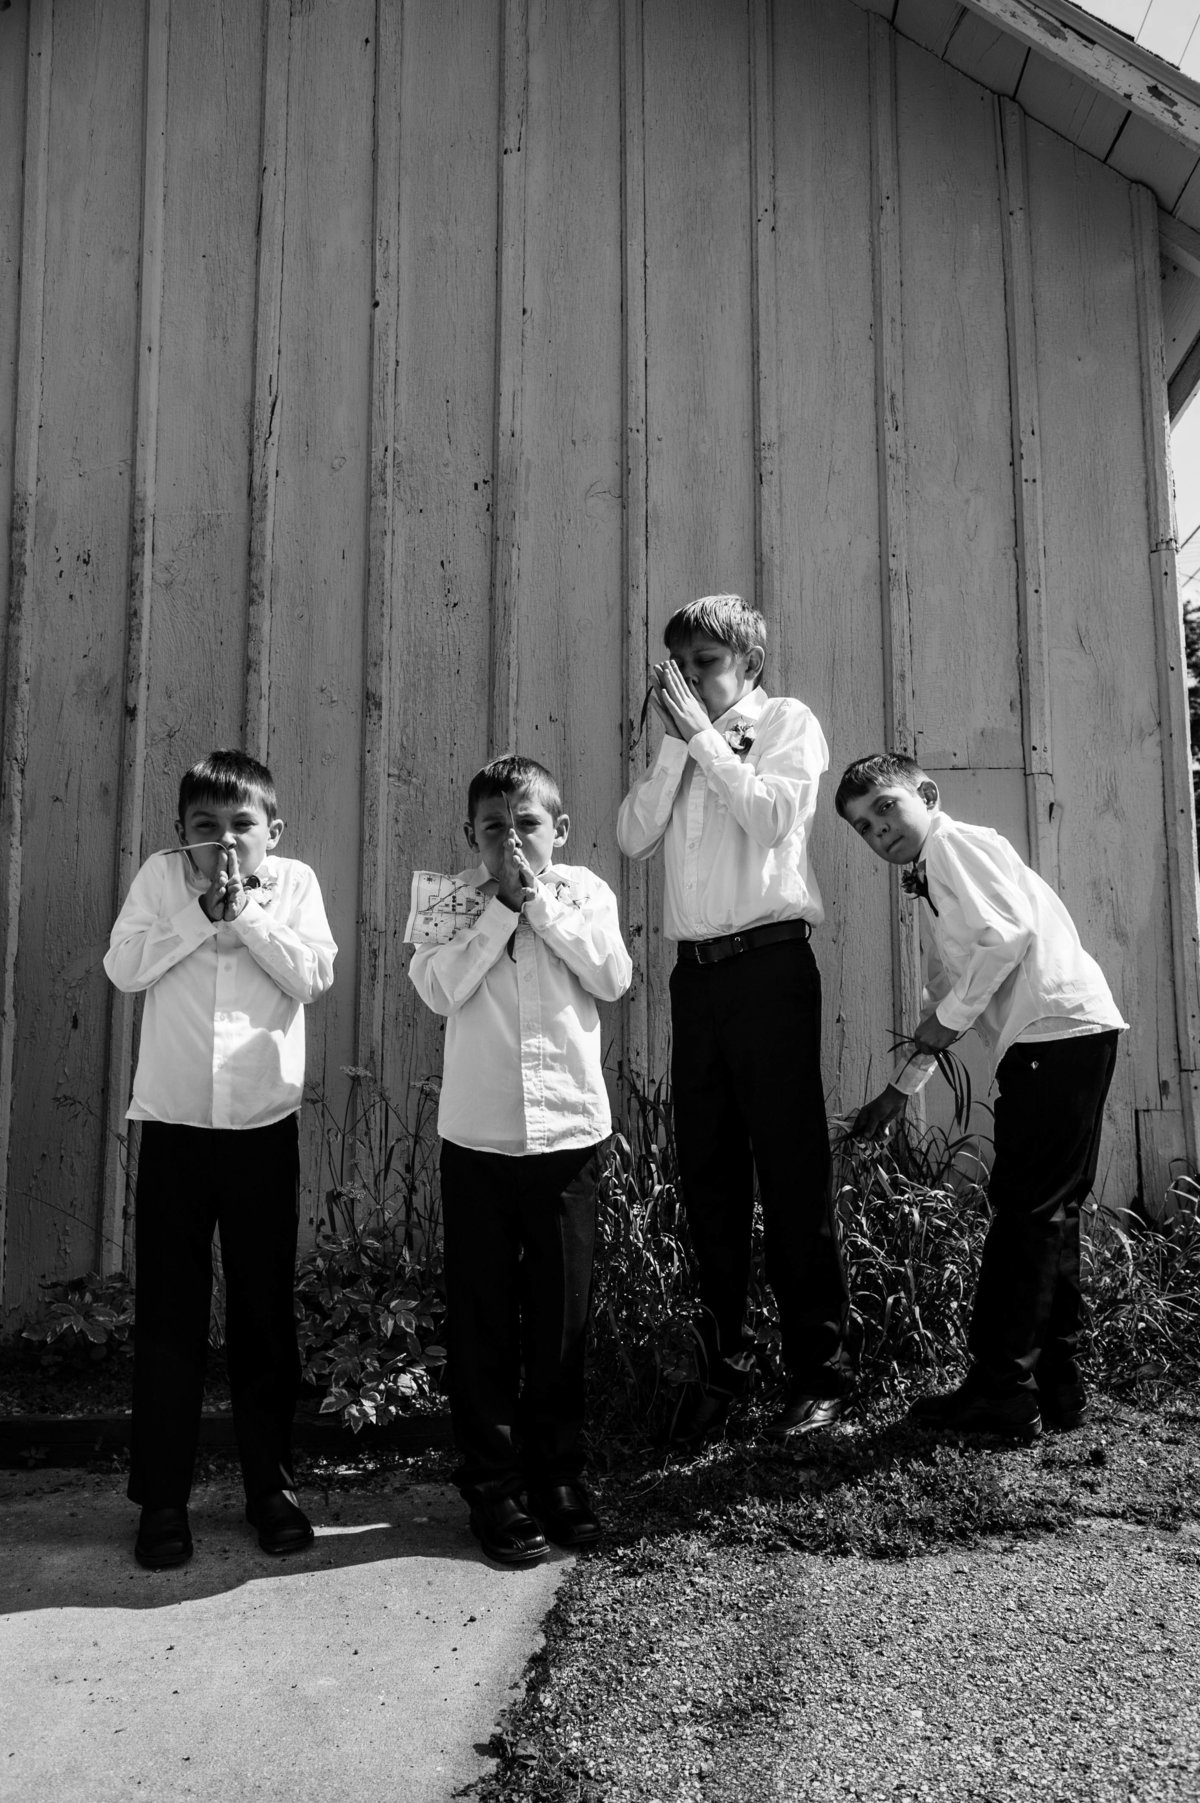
(381, 526)
(26, 440)
(510, 356)
(765, 308)
(635, 875)
(1168, 622)
(268, 330)
(1027, 490)
(899, 701)
(112, 1251)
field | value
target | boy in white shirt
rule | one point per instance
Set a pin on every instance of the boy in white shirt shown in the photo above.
(523, 1116)
(228, 942)
(731, 798)
(1002, 955)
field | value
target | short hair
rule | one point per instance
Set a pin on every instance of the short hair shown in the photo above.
(512, 775)
(225, 777)
(727, 618)
(865, 774)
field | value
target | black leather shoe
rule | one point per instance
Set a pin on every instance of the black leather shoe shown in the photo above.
(566, 1515)
(970, 1411)
(701, 1416)
(1063, 1406)
(282, 1526)
(803, 1414)
(506, 1532)
(163, 1539)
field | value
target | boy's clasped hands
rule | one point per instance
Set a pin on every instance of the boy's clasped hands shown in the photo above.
(225, 897)
(516, 880)
(682, 713)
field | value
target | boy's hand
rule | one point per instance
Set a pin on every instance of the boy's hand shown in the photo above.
(689, 714)
(931, 1036)
(663, 711)
(874, 1118)
(516, 883)
(225, 897)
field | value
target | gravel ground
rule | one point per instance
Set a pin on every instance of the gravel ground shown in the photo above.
(714, 1660)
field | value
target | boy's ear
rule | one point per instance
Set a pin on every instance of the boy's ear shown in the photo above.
(274, 832)
(928, 791)
(179, 833)
(562, 827)
(756, 657)
(469, 831)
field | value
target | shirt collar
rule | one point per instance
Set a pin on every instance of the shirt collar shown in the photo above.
(750, 707)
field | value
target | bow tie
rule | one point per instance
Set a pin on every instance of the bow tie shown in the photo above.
(913, 882)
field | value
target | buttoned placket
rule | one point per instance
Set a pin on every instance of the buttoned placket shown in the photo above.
(529, 1006)
(225, 1031)
(695, 832)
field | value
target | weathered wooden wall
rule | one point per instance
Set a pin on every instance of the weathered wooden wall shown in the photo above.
(377, 375)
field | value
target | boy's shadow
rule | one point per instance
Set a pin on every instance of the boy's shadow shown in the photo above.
(68, 1540)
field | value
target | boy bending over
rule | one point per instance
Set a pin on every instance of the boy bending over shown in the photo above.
(731, 798)
(523, 1117)
(1002, 955)
(228, 942)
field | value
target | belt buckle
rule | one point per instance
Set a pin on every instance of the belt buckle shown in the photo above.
(736, 944)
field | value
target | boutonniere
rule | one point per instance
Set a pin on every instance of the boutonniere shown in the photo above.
(562, 890)
(739, 737)
(265, 885)
(913, 883)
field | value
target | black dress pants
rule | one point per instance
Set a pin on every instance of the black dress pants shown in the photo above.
(245, 1184)
(748, 1096)
(1048, 1118)
(518, 1235)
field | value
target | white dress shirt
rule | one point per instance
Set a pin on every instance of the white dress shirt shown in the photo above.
(734, 823)
(1001, 952)
(223, 1028)
(522, 1070)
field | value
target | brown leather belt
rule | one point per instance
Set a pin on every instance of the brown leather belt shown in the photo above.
(715, 951)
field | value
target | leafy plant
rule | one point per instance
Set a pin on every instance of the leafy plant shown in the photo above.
(83, 1319)
(370, 1295)
(1142, 1285)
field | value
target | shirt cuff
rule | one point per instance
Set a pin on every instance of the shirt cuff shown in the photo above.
(954, 1014)
(911, 1076)
(251, 922)
(498, 921)
(709, 747)
(672, 754)
(192, 924)
(544, 909)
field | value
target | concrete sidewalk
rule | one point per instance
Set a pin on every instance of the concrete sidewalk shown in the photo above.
(374, 1666)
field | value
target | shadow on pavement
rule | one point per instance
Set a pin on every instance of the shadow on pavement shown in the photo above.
(68, 1540)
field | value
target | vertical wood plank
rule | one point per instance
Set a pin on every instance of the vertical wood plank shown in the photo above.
(28, 390)
(265, 420)
(1171, 663)
(377, 681)
(826, 633)
(510, 379)
(112, 1250)
(80, 566)
(1108, 746)
(444, 516)
(893, 500)
(1027, 476)
(961, 564)
(642, 920)
(765, 292)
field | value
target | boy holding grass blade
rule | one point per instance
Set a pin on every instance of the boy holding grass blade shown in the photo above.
(1001, 955)
(228, 942)
(515, 952)
(731, 798)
